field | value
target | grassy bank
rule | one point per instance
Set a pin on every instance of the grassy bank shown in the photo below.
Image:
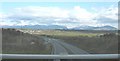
(17, 42)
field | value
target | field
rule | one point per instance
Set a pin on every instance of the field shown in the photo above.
(90, 41)
(31, 41)
(67, 32)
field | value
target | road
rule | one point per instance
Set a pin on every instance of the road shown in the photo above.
(63, 48)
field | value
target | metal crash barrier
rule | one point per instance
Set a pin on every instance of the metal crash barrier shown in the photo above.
(82, 56)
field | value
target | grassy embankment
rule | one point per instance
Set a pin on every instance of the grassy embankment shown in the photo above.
(16, 42)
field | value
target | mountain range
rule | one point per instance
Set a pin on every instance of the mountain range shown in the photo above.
(37, 27)
(107, 27)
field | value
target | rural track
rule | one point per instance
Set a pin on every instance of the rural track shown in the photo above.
(63, 48)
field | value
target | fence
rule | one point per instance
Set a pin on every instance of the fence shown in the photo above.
(81, 56)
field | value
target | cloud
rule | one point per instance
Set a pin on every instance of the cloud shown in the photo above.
(43, 11)
(81, 13)
(108, 16)
(72, 17)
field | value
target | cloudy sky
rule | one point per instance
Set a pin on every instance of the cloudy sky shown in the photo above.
(69, 14)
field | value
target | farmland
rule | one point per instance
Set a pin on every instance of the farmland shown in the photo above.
(90, 41)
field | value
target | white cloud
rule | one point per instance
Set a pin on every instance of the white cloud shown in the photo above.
(43, 11)
(108, 16)
(81, 13)
(76, 16)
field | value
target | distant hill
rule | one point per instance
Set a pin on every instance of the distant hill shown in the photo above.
(62, 27)
(94, 28)
(38, 27)
(14, 41)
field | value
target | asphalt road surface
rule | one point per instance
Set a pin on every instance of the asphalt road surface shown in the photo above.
(63, 48)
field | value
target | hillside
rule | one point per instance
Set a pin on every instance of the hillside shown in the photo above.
(14, 41)
(94, 42)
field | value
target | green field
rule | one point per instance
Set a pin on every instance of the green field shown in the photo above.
(90, 41)
(66, 33)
